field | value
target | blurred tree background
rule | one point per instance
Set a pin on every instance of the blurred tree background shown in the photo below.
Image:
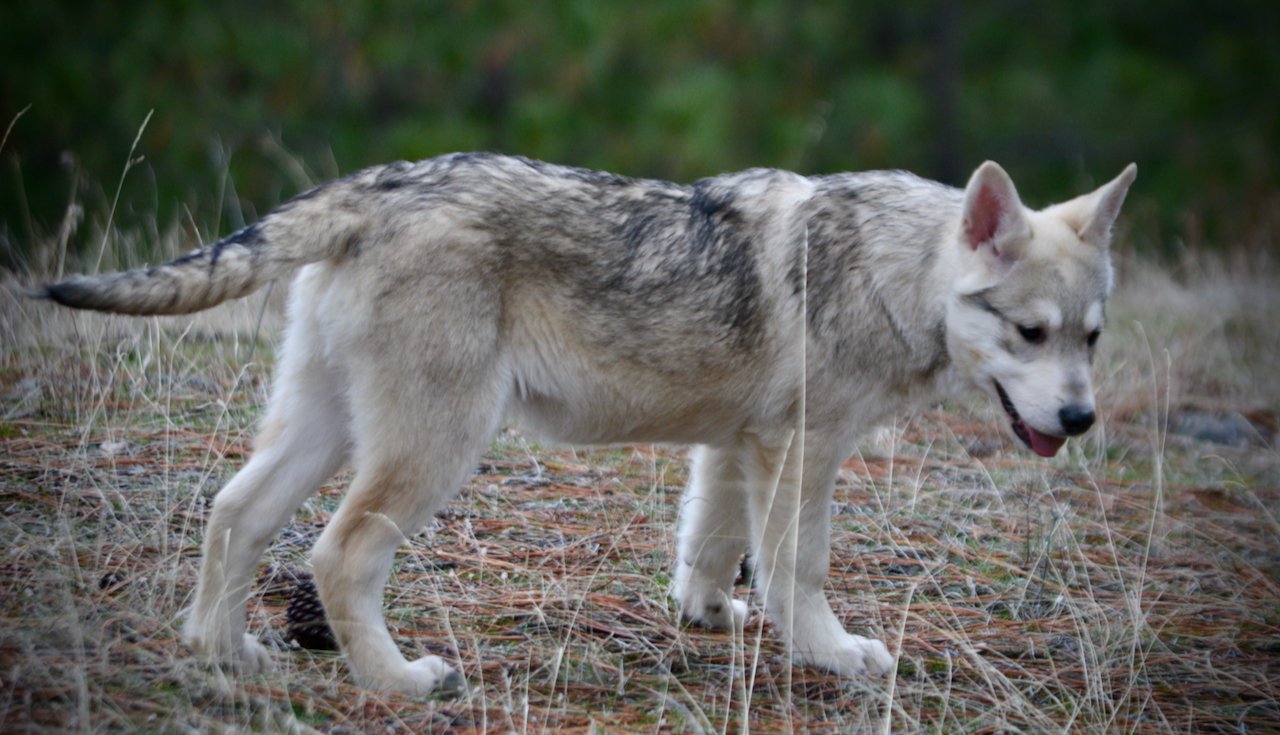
(255, 101)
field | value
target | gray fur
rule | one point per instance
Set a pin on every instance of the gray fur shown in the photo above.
(767, 317)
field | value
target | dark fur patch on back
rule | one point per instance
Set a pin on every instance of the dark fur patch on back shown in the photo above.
(718, 235)
(691, 247)
(394, 176)
(834, 252)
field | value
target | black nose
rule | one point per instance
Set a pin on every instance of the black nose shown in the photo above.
(1075, 419)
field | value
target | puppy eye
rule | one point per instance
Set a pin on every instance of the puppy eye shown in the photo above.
(1093, 337)
(1034, 335)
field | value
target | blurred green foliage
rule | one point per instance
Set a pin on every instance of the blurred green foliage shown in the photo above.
(254, 101)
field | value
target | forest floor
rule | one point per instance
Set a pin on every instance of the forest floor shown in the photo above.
(1132, 584)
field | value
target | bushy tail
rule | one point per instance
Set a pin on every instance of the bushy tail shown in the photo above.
(311, 227)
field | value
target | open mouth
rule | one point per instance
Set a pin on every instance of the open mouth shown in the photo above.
(1045, 445)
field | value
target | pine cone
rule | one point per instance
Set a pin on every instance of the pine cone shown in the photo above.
(278, 580)
(304, 618)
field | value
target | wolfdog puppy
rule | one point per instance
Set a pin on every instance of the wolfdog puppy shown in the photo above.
(768, 318)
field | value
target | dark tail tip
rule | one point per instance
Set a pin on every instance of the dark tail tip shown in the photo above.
(73, 293)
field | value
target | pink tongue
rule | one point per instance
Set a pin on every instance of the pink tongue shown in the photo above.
(1043, 444)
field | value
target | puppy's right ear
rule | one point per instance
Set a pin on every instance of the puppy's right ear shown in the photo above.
(993, 222)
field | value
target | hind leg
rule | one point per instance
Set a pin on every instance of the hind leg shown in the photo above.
(415, 448)
(302, 442)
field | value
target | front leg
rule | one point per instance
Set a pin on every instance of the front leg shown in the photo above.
(791, 514)
(713, 534)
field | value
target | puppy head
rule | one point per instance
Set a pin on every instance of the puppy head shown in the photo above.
(1028, 302)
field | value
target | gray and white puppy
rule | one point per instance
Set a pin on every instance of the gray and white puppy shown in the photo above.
(766, 317)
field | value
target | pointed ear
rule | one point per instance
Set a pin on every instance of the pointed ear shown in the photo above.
(1093, 214)
(993, 221)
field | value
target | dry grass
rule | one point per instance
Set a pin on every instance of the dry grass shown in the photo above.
(1130, 585)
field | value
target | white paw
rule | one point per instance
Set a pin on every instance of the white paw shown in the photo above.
(249, 657)
(851, 655)
(254, 657)
(427, 675)
(711, 609)
(719, 615)
(704, 606)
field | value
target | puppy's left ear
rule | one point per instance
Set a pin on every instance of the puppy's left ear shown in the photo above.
(1093, 214)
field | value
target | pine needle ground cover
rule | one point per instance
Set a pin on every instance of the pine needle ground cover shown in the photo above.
(1130, 585)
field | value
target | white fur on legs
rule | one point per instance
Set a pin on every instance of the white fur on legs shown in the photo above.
(389, 500)
(712, 536)
(257, 502)
(302, 442)
(793, 553)
(821, 641)
(417, 445)
(703, 602)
